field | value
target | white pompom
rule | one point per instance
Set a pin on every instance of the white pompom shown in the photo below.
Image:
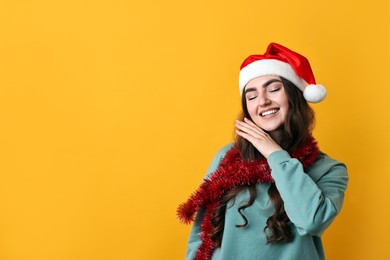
(314, 93)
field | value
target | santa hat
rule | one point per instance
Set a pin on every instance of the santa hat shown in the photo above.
(281, 61)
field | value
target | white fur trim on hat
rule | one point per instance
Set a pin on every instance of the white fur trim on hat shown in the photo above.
(269, 67)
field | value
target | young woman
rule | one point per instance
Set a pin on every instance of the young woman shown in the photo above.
(271, 194)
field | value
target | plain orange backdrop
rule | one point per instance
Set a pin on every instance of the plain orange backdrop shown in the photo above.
(110, 112)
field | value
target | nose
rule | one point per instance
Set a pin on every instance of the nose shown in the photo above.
(264, 101)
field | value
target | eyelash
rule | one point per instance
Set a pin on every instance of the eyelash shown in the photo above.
(273, 90)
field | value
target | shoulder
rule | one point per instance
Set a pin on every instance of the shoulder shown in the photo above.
(325, 165)
(325, 162)
(218, 158)
(222, 151)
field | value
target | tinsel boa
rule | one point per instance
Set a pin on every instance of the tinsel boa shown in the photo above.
(232, 172)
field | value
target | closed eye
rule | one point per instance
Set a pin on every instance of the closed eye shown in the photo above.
(275, 90)
(251, 98)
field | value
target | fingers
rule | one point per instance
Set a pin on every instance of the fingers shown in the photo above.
(256, 127)
(250, 128)
(242, 127)
(252, 139)
(246, 136)
(261, 140)
(249, 122)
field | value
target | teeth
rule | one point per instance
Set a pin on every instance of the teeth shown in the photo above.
(269, 112)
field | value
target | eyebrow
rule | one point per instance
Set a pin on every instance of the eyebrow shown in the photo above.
(266, 84)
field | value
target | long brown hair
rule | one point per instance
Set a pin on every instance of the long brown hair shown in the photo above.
(296, 129)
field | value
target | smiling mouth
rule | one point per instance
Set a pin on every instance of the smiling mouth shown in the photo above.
(269, 112)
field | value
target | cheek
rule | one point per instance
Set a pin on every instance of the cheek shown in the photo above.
(251, 109)
(285, 112)
(283, 101)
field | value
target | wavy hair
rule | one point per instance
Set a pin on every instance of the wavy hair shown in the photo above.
(297, 128)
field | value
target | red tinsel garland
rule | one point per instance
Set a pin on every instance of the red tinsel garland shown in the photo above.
(232, 172)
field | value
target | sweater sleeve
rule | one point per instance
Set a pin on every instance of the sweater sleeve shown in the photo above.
(313, 200)
(194, 238)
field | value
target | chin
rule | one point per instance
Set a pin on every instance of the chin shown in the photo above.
(271, 129)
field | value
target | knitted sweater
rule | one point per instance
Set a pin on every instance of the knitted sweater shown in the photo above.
(312, 199)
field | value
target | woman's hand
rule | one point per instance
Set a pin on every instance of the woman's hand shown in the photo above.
(255, 135)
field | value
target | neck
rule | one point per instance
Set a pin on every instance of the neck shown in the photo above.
(276, 135)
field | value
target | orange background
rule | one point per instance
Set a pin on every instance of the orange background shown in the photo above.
(111, 111)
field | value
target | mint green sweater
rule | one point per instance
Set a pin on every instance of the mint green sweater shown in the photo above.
(312, 199)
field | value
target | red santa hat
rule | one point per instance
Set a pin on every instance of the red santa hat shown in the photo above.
(281, 61)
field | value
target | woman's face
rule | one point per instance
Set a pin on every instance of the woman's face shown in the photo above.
(267, 102)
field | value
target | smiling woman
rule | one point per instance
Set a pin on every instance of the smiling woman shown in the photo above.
(267, 103)
(272, 193)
